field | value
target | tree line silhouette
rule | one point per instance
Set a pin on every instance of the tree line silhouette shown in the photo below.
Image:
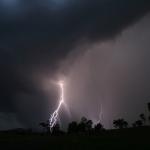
(86, 126)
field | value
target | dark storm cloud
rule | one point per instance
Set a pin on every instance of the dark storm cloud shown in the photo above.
(34, 37)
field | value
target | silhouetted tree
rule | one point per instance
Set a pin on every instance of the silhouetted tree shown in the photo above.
(56, 129)
(149, 118)
(72, 127)
(134, 125)
(98, 127)
(89, 124)
(126, 124)
(143, 118)
(82, 126)
(84, 120)
(120, 123)
(148, 105)
(45, 126)
(138, 123)
(85, 125)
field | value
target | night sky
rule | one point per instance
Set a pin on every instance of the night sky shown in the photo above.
(99, 48)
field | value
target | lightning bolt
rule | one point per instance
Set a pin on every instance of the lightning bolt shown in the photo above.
(101, 113)
(54, 117)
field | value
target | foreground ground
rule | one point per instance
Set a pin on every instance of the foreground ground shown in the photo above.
(114, 139)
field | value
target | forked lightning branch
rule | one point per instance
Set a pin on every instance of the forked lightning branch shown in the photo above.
(54, 117)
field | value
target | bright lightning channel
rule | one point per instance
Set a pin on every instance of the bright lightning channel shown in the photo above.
(54, 117)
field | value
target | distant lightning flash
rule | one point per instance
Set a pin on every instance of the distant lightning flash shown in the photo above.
(54, 117)
(101, 114)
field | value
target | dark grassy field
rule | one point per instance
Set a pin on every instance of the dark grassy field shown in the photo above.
(138, 138)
